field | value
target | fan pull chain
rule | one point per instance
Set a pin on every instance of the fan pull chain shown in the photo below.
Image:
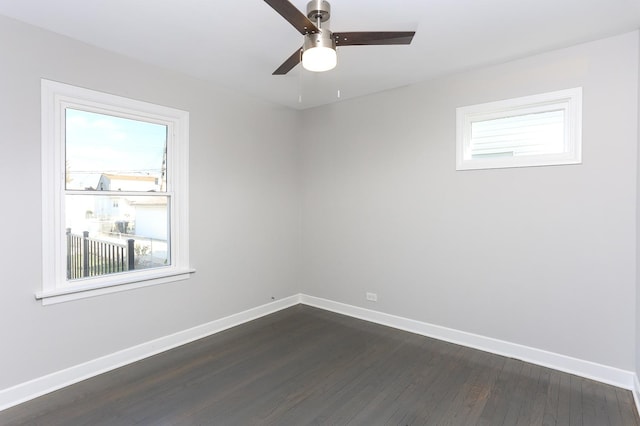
(300, 75)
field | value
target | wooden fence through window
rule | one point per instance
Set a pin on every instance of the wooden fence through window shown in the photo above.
(91, 257)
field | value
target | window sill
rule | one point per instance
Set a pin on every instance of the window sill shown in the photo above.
(512, 162)
(61, 295)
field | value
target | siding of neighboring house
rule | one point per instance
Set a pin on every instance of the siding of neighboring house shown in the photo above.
(151, 219)
(131, 183)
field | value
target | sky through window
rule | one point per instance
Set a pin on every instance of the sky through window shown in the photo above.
(105, 144)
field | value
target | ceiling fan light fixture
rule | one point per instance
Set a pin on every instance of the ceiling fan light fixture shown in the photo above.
(319, 59)
(319, 52)
(319, 47)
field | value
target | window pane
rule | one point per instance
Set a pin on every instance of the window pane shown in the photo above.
(100, 227)
(530, 134)
(109, 153)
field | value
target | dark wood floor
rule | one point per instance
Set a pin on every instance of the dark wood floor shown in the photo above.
(307, 366)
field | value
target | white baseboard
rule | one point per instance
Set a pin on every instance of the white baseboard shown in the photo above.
(602, 373)
(636, 391)
(51, 382)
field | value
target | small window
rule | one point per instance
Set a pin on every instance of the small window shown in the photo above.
(538, 130)
(114, 193)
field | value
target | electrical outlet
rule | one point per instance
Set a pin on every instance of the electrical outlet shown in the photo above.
(372, 297)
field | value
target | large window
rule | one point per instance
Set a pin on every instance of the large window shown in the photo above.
(114, 175)
(536, 130)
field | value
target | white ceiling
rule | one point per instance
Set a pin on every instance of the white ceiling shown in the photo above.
(238, 43)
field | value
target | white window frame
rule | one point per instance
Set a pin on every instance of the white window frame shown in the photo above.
(569, 101)
(56, 97)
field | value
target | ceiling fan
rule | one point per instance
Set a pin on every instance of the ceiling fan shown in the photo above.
(318, 52)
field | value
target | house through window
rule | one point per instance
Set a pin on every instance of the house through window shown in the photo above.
(116, 168)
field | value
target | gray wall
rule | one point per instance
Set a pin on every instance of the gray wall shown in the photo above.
(244, 214)
(542, 256)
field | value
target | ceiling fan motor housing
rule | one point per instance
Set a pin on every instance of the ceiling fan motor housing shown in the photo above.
(322, 39)
(318, 11)
(319, 48)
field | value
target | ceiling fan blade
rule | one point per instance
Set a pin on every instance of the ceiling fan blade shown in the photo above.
(289, 64)
(362, 38)
(294, 16)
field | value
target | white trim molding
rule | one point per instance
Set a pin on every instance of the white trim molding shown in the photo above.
(590, 370)
(42, 385)
(57, 380)
(57, 99)
(636, 391)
